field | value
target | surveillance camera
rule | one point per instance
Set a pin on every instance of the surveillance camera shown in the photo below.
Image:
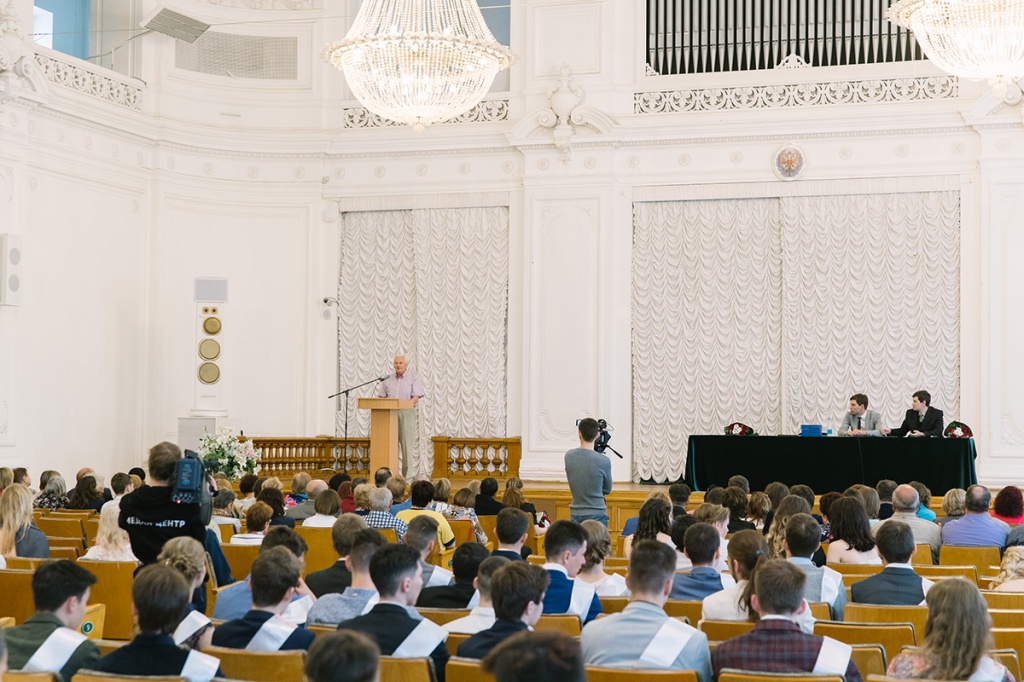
(327, 301)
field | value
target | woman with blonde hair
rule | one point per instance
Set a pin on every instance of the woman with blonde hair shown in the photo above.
(790, 506)
(953, 505)
(361, 495)
(655, 522)
(957, 638)
(1011, 571)
(442, 491)
(18, 533)
(112, 543)
(599, 548)
(6, 477)
(717, 516)
(462, 508)
(187, 556)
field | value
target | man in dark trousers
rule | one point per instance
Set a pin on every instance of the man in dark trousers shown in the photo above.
(589, 475)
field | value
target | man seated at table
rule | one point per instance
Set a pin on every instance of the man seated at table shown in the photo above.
(702, 546)
(976, 528)
(897, 584)
(905, 502)
(921, 419)
(803, 538)
(860, 421)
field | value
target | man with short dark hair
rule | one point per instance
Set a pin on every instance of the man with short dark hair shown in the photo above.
(422, 536)
(536, 657)
(422, 494)
(396, 572)
(466, 562)
(702, 546)
(381, 476)
(482, 615)
(512, 527)
(589, 475)
(361, 595)
(49, 640)
(304, 509)
(905, 502)
(643, 635)
(121, 484)
(803, 538)
(921, 419)
(486, 505)
(274, 579)
(565, 545)
(976, 528)
(337, 577)
(344, 656)
(679, 493)
(740, 482)
(735, 500)
(860, 421)
(885, 489)
(776, 644)
(897, 584)
(517, 592)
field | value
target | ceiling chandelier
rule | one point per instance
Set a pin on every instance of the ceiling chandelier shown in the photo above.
(973, 39)
(419, 61)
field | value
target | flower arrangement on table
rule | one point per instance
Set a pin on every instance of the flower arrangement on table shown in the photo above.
(224, 453)
(958, 430)
(739, 429)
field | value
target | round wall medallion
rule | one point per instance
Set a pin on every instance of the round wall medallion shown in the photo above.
(209, 373)
(212, 326)
(788, 163)
(209, 349)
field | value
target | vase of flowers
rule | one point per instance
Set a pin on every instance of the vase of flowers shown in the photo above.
(224, 453)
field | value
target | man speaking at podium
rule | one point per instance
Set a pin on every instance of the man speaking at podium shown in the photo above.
(404, 385)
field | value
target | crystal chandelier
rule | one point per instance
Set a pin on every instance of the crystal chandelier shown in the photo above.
(973, 39)
(419, 61)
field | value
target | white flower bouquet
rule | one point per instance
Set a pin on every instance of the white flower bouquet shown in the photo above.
(223, 452)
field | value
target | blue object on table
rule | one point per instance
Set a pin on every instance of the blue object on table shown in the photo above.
(810, 430)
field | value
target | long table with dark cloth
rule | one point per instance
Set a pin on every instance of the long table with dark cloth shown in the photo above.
(830, 463)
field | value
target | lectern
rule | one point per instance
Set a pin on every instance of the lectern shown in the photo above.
(384, 430)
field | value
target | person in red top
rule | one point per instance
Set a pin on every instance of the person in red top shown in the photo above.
(1009, 505)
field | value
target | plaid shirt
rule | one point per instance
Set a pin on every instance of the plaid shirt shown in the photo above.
(383, 519)
(774, 646)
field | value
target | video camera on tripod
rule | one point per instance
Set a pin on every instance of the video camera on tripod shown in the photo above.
(191, 485)
(604, 435)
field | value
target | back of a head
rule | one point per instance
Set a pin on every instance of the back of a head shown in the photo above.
(464, 497)
(779, 586)
(680, 525)
(714, 495)
(826, 502)
(651, 564)
(245, 485)
(514, 586)
(421, 531)
(805, 492)
(758, 506)
(740, 482)
(397, 485)
(421, 493)
(885, 489)
(390, 565)
(511, 525)
(344, 530)
(792, 504)
(466, 561)
(327, 503)
(588, 429)
(380, 499)
(599, 543)
(160, 595)
(364, 544)
(905, 499)
(224, 499)
(701, 541)
(957, 632)
(735, 500)
(776, 492)
(924, 494)
(54, 582)
(488, 567)
(300, 481)
(184, 554)
(803, 535)
(711, 513)
(343, 656)
(163, 461)
(954, 502)
(536, 657)
(679, 493)
(283, 536)
(381, 476)
(257, 516)
(273, 497)
(137, 471)
(895, 541)
(561, 536)
(337, 479)
(978, 499)
(442, 490)
(119, 482)
(274, 572)
(747, 547)
(654, 518)
(489, 487)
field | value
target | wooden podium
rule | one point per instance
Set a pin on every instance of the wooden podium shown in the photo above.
(384, 431)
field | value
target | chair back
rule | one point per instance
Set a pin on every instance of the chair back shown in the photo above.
(16, 586)
(80, 513)
(464, 669)
(892, 636)
(114, 588)
(240, 558)
(722, 630)
(227, 530)
(856, 569)
(870, 659)
(259, 666)
(7, 622)
(62, 526)
(820, 610)
(92, 529)
(923, 555)
(93, 676)
(730, 675)
(453, 642)
(600, 674)
(69, 553)
(95, 619)
(390, 534)
(19, 676)
(1009, 638)
(995, 599)
(26, 563)
(873, 613)
(489, 525)
(320, 554)
(979, 557)
(441, 557)
(463, 530)
(321, 630)
(76, 543)
(1006, 618)
(442, 616)
(107, 646)
(405, 669)
(943, 571)
(565, 623)
(681, 608)
(614, 604)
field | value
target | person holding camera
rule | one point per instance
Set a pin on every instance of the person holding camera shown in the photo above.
(589, 475)
(151, 516)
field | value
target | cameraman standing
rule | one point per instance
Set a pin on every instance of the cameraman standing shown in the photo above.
(589, 475)
(149, 514)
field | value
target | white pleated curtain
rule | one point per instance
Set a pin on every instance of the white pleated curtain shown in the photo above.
(433, 284)
(774, 311)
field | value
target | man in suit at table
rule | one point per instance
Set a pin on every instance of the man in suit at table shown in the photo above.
(860, 421)
(922, 419)
(897, 584)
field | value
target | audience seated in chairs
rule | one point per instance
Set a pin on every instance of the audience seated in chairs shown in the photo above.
(462, 508)
(952, 505)
(897, 584)
(19, 535)
(735, 500)
(629, 527)
(245, 487)
(307, 508)
(399, 488)
(512, 528)
(344, 656)
(655, 522)
(274, 496)
(747, 553)
(466, 561)
(1009, 506)
(599, 548)
(486, 505)
(121, 484)
(777, 643)
(565, 546)
(299, 493)
(717, 516)
(536, 657)
(160, 595)
(851, 534)
(54, 493)
(956, 641)
(61, 592)
(977, 528)
(803, 538)
(87, 495)
(758, 507)
(905, 502)
(788, 508)
(274, 580)
(257, 522)
(680, 525)
(1011, 571)
(379, 515)
(517, 592)
(482, 615)
(643, 635)
(361, 595)
(112, 543)
(336, 578)
(422, 494)
(327, 507)
(422, 536)
(188, 557)
(398, 576)
(701, 544)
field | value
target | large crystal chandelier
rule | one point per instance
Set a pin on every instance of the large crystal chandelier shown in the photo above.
(419, 61)
(973, 39)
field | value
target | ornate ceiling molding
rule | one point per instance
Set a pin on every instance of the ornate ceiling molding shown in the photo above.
(488, 111)
(89, 83)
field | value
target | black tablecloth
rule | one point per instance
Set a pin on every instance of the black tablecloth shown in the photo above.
(830, 463)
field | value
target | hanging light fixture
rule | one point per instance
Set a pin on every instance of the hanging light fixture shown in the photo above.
(973, 39)
(419, 61)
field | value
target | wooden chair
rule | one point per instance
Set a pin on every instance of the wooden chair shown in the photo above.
(850, 578)
(442, 616)
(259, 666)
(31, 564)
(537, 559)
(1009, 638)
(942, 572)
(454, 640)
(599, 674)
(856, 569)
(1009, 659)
(107, 646)
(463, 530)
(95, 619)
(75, 543)
(92, 529)
(616, 562)
(404, 669)
(240, 558)
(892, 636)
(489, 526)
(565, 623)
(679, 608)
(820, 610)
(62, 526)
(614, 604)
(465, 670)
(995, 600)
(93, 676)
(320, 554)
(442, 558)
(390, 534)
(227, 531)
(1006, 618)
(78, 513)
(19, 676)
(16, 586)
(69, 553)
(870, 659)
(923, 555)
(730, 675)
(114, 588)
(979, 557)
(620, 546)
(872, 613)
(321, 630)
(7, 622)
(722, 630)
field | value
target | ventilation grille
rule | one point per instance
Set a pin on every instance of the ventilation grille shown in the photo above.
(240, 56)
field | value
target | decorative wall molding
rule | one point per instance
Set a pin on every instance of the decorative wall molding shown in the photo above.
(488, 111)
(797, 95)
(99, 85)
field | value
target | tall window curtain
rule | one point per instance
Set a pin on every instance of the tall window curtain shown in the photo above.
(774, 311)
(433, 284)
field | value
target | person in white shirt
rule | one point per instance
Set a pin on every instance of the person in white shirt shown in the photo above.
(747, 551)
(257, 520)
(599, 548)
(112, 543)
(482, 615)
(327, 506)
